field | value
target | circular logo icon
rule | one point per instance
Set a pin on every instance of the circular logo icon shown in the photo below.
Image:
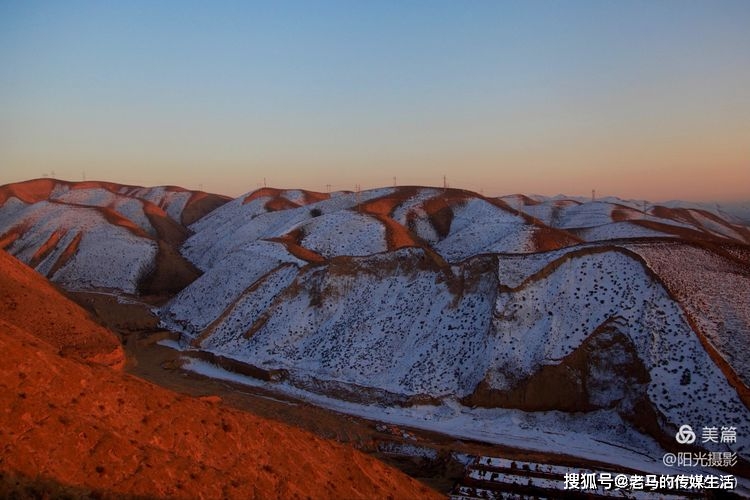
(685, 435)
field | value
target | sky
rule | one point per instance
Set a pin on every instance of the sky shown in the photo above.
(637, 99)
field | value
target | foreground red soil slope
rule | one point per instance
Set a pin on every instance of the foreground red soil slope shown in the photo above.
(73, 425)
(32, 303)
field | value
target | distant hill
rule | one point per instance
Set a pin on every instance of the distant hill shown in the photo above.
(100, 235)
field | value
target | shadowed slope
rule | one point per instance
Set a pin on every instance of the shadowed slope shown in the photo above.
(382, 208)
(199, 204)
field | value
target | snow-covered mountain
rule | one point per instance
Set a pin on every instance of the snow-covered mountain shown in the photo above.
(638, 313)
(406, 295)
(92, 235)
(613, 218)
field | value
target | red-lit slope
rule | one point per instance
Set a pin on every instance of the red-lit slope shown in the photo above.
(30, 302)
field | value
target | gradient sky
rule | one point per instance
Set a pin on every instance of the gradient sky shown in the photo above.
(635, 99)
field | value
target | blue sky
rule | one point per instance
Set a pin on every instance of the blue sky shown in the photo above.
(636, 99)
